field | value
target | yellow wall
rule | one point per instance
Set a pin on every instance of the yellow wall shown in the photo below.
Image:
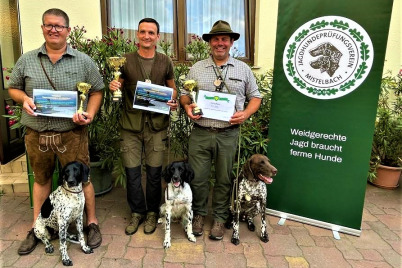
(81, 12)
(266, 31)
(87, 13)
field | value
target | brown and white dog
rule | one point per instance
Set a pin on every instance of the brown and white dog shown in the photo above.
(252, 195)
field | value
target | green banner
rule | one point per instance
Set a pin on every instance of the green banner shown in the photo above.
(328, 66)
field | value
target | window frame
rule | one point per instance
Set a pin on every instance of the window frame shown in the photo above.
(180, 29)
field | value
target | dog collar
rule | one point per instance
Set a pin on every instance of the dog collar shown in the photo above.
(71, 191)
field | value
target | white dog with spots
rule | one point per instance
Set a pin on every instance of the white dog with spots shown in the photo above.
(64, 206)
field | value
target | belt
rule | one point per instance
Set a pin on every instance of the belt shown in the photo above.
(214, 129)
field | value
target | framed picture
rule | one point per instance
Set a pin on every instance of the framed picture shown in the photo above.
(152, 97)
(55, 103)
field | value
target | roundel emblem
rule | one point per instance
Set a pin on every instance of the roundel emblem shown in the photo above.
(328, 57)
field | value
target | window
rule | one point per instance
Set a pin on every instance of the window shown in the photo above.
(181, 20)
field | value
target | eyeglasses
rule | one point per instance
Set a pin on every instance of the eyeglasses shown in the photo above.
(58, 28)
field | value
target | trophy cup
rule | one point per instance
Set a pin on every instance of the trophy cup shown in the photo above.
(83, 88)
(116, 63)
(191, 86)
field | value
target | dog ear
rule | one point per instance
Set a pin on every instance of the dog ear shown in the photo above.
(84, 172)
(62, 174)
(246, 168)
(189, 176)
(167, 174)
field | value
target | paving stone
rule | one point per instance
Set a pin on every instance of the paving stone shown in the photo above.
(367, 216)
(155, 240)
(391, 257)
(302, 236)
(391, 221)
(368, 240)
(212, 245)
(254, 255)
(47, 261)
(172, 265)
(117, 263)
(318, 231)
(381, 229)
(27, 261)
(185, 251)
(277, 262)
(117, 248)
(281, 245)
(319, 257)
(231, 248)
(297, 262)
(135, 254)
(153, 258)
(368, 264)
(323, 241)
(228, 260)
(371, 255)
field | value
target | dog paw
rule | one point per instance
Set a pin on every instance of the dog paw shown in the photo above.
(251, 226)
(160, 221)
(166, 244)
(67, 262)
(49, 249)
(87, 250)
(264, 238)
(235, 241)
(192, 238)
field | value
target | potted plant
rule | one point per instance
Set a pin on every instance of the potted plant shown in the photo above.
(386, 153)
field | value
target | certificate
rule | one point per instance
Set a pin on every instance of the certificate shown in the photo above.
(216, 105)
(152, 97)
(55, 103)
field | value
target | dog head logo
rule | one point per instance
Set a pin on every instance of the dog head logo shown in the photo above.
(328, 57)
(328, 60)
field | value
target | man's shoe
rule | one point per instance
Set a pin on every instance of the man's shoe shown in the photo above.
(198, 225)
(94, 236)
(217, 230)
(29, 244)
(150, 223)
(136, 220)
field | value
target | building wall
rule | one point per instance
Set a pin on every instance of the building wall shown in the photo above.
(87, 13)
(81, 12)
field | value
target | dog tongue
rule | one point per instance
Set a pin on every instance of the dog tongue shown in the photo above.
(267, 180)
(176, 184)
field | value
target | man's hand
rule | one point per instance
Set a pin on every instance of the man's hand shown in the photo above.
(239, 117)
(28, 105)
(82, 119)
(114, 85)
(189, 110)
(172, 104)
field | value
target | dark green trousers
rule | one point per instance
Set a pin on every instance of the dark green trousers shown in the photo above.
(205, 146)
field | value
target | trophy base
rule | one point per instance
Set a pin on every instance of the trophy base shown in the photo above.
(116, 99)
(197, 112)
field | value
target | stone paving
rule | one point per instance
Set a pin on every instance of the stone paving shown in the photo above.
(291, 245)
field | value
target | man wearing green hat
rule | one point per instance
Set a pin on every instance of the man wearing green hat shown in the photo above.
(214, 140)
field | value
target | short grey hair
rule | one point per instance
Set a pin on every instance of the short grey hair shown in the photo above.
(56, 12)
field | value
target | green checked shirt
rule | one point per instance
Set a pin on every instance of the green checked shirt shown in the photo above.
(71, 68)
(239, 80)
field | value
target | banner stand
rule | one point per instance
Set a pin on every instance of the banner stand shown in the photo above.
(313, 222)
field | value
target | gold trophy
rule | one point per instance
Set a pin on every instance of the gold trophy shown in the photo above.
(191, 86)
(84, 89)
(116, 63)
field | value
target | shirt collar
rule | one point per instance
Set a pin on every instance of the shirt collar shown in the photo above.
(69, 51)
(211, 63)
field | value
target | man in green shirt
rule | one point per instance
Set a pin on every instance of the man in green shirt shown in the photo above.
(143, 131)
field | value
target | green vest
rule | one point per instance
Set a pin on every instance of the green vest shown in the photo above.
(133, 119)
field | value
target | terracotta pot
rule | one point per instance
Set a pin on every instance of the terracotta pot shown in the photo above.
(387, 177)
